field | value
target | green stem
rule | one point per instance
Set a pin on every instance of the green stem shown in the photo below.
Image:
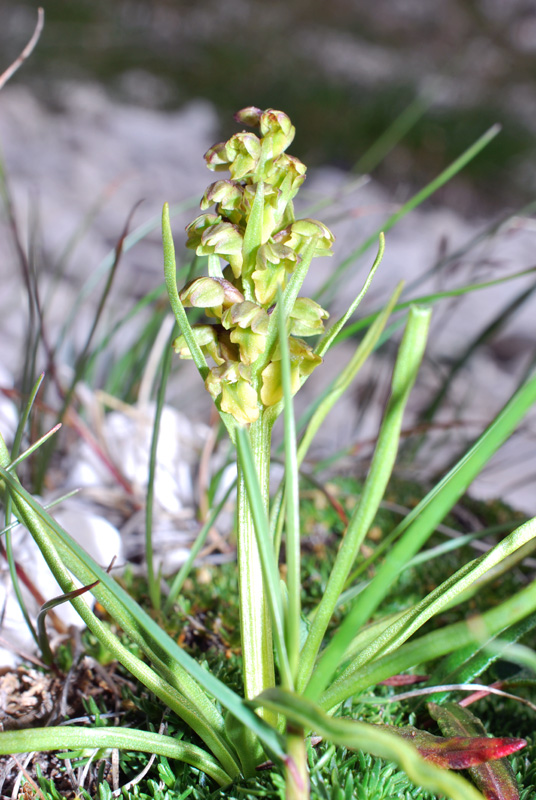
(255, 625)
(297, 785)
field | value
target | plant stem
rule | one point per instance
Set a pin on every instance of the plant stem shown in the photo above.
(296, 770)
(255, 624)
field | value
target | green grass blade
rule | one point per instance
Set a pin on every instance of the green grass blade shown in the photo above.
(136, 622)
(420, 523)
(445, 176)
(33, 447)
(8, 508)
(370, 739)
(170, 273)
(469, 663)
(292, 528)
(329, 337)
(404, 375)
(131, 240)
(320, 408)
(73, 737)
(431, 646)
(396, 131)
(445, 595)
(343, 381)
(431, 299)
(483, 336)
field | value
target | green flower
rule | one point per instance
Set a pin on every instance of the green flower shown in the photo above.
(306, 318)
(199, 225)
(246, 315)
(213, 341)
(231, 383)
(228, 197)
(273, 252)
(249, 323)
(278, 129)
(273, 265)
(299, 234)
(302, 362)
(240, 155)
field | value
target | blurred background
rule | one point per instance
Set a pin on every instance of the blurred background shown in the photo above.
(342, 70)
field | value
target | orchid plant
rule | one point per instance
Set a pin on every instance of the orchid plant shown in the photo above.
(253, 352)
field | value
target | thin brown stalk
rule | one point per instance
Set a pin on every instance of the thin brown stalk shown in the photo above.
(10, 71)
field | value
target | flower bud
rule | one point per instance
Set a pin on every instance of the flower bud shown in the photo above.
(223, 239)
(206, 338)
(287, 174)
(210, 293)
(243, 152)
(198, 226)
(246, 315)
(217, 158)
(274, 263)
(249, 116)
(251, 345)
(299, 234)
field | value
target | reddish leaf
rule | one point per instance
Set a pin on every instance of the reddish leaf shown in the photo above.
(495, 780)
(457, 752)
(464, 752)
(403, 680)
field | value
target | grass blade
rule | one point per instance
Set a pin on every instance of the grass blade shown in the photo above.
(73, 737)
(445, 595)
(420, 523)
(445, 176)
(137, 623)
(431, 646)
(329, 337)
(152, 579)
(370, 739)
(404, 375)
(292, 529)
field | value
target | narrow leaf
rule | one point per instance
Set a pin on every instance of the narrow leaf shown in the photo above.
(74, 737)
(414, 201)
(162, 649)
(420, 523)
(372, 739)
(293, 542)
(458, 752)
(497, 780)
(270, 570)
(42, 634)
(329, 337)
(170, 273)
(405, 372)
(431, 646)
